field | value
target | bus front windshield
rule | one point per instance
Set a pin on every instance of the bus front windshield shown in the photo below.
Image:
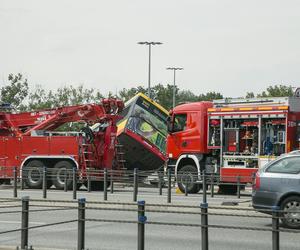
(149, 122)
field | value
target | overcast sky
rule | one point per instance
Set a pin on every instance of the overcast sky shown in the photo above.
(229, 46)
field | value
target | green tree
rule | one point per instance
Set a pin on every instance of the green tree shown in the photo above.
(15, 92)
(250, 95)
(277, 91)
(39, 98)
(209, 96)
(163, 95)
(126, 94)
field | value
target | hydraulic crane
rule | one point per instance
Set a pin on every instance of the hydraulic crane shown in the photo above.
(30, 141)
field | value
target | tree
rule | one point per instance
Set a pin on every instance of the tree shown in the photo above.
(209, 96)
(39, 98)
(127, 94)
(15, 92)
(277, 91)
(68, 95)
(163, 95)
(250, 95)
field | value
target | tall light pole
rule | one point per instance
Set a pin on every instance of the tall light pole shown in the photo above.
(174, 83)
(149, 69)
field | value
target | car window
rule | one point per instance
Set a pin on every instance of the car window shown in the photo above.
(180, 122)
(290, 165)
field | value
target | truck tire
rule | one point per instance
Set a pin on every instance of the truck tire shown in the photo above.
(291, 212)
(60, 170)
(33, 174)
(186, 178)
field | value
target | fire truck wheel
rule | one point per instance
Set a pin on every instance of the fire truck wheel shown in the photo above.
(33, 174)
(60, 170)
(186, 178)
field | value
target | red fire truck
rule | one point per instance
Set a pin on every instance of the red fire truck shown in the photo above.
(231, 138)
(30, 141)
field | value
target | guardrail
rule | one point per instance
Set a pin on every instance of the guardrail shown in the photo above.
(72, 178)
(142, 210)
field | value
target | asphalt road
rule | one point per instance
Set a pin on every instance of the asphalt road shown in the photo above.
(123, 236)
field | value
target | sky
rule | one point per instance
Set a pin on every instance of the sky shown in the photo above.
(228, 46)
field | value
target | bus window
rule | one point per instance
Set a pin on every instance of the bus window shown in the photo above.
(149, 121)
(124, 112)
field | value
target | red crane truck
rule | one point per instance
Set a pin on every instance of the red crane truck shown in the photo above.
(30, 141)
(231, 138)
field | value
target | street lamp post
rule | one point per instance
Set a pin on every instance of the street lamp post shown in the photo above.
(174, 83)
(149, 66)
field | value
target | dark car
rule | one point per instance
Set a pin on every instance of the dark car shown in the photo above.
(278, 185)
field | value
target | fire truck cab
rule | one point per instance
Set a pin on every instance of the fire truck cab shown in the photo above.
(231, 138)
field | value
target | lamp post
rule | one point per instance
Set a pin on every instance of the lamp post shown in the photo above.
(174, 83)
(149, 66)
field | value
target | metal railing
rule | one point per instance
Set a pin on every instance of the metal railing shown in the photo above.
(204, 211)
(72, 178)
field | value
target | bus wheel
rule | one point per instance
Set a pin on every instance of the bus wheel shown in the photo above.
(33, 174)
(227, 189)
(186, 179)
(61, 170)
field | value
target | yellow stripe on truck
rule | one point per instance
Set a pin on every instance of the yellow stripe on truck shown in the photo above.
(283, 107)
(227, 109)
(246, 109)
(265, 108)
(121, 126)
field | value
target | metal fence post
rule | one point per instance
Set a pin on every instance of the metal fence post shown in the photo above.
(204, 226)
(66, 181)
(81, 224)
(89, 186)
(105, 185)
(141, 225)
(212, 185)
(22, 180)
(111, 182)
(24, 223)
(159, 183)
(15, 182)
(74, 184)
(45, 182)
(135, 184)
(186, 187)
(204, 216)
(238, 187)
(204, 187)
(275, 228)
(169, 185)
